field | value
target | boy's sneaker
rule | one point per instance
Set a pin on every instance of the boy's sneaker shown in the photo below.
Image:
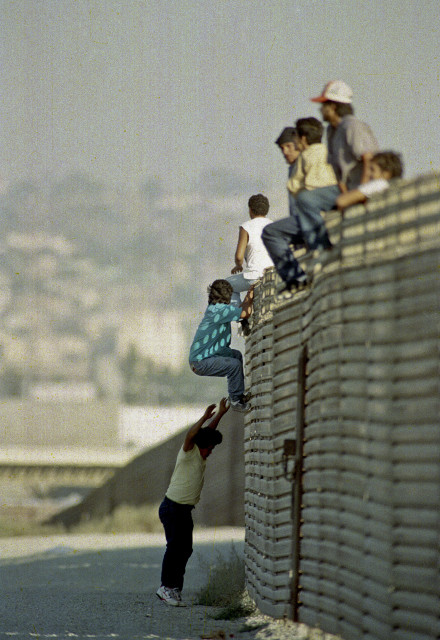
(168, 596)
(239, 405)
(245, 327)
(298, 283)
(178, 596)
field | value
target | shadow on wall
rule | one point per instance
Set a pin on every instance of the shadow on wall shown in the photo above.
(145, 479)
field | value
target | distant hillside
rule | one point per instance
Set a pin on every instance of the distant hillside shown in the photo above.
(148, 236)
(90, 271)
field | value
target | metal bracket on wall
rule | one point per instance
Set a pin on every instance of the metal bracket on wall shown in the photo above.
(289, 450)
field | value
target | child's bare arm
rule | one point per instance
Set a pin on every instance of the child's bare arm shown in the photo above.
(366, 167)
(349, 198)
(342, 187)
(243, 239)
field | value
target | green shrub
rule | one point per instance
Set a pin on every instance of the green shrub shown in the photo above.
(240, 609)
(225, 587)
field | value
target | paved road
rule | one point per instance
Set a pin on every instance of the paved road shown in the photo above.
(101, 586)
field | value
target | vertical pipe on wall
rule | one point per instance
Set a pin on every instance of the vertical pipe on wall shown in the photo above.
(297, 480)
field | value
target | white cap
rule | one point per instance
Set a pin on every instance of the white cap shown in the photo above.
(337, 91)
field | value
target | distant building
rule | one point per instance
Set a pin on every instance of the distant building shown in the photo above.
(159, 336)
(143, 427)
(66, 391)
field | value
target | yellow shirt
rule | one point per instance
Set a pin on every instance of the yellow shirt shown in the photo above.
(312, 170)
(188, 476)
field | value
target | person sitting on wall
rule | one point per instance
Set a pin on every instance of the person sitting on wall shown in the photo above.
(182, 495)
(383, 167)
(251, 257)
(312, 172)
(312, 169)
(287, 144)
(210, 353)
(351, 144)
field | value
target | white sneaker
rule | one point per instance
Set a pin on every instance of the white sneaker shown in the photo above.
(237, 405)
(178, 596)
(168, 596)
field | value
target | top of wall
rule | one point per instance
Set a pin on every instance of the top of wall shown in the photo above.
(404, 219)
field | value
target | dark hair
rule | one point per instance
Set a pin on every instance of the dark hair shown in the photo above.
(220, 292)
(311, 128)
(341, 108)
(207, 437)
(389, 161)
(259, 204)
(287, 135)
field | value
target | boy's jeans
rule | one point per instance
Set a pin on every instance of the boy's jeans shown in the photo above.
(239, 283)
(178, 524)
(231, 367)
(305, 228)
(277, 238)
(309, 205)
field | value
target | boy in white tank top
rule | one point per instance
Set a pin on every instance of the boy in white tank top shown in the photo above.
(251, 256)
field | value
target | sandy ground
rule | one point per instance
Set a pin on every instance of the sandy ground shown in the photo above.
(103, 586)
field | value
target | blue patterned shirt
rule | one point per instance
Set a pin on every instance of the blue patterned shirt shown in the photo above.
(213, 335)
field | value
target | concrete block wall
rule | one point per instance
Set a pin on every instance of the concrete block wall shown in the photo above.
(369, 554)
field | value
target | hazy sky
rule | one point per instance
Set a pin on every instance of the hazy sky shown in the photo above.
(174, 88)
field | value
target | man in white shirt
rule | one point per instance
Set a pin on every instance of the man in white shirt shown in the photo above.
(182, 495)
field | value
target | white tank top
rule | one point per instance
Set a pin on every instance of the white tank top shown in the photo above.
(256, 257)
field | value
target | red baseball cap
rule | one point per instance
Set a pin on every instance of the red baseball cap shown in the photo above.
(337, 91)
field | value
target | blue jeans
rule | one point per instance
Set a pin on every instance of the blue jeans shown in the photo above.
(231, 367)
(309, 205)
(178, 524)
(239, 283)
(292, 205)
(304, 227)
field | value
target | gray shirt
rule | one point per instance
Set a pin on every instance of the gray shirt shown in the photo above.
(347, 143)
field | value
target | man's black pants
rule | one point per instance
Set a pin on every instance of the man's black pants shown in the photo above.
(178, 524)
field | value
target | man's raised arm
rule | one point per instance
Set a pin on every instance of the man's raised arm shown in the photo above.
(191, 433)
(222, 409)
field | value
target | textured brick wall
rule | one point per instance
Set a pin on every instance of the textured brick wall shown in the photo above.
(369, 552)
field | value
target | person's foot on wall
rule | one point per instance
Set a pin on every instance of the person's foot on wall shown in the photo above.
(292, 285)
(239, 405)
(245, 327)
